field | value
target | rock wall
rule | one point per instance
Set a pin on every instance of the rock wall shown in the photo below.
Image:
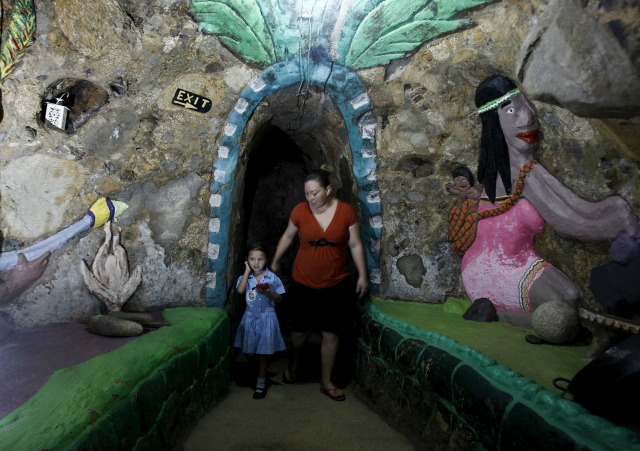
(428, 126)
(141, 148)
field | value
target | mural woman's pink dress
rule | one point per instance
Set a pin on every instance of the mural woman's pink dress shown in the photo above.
(501, 264)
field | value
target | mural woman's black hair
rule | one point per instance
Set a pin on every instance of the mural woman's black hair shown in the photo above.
(494, 155)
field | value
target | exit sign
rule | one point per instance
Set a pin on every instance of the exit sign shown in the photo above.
(191, 101)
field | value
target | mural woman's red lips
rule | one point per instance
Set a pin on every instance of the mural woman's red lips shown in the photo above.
(531, 136)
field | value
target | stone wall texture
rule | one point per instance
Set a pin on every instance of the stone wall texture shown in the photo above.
(140, 148)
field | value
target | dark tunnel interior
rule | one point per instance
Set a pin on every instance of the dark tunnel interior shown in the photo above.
(273, 186)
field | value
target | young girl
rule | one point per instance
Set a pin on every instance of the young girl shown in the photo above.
(259, 331)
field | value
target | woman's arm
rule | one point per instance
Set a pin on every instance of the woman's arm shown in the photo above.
(22, 276)
(357, 253)
(285, 242)
(569, 215)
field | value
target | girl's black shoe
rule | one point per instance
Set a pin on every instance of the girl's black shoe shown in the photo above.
(260, 393)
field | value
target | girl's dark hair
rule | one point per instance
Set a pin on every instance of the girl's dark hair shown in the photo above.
(494, 155)
(465, 172)
(257, 247)
(322, 176)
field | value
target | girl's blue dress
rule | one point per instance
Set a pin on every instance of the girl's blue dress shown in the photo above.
(259, 330)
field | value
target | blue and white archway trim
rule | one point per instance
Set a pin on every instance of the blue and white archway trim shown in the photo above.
(351, 98)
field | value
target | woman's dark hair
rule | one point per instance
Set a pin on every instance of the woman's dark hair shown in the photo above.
(464, 172)
(494, 155)
(322, 176)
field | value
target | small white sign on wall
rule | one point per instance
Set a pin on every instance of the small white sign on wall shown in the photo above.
(56, 113)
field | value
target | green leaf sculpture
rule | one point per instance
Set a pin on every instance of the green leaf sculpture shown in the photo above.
(355, 33)
(388, 30)
(240, 25)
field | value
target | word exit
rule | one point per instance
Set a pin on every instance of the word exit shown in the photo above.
(191, 101)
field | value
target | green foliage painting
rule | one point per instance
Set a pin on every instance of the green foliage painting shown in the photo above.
(355, 33)
(17, 36)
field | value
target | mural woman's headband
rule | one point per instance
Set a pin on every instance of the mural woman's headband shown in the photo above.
(497, 102)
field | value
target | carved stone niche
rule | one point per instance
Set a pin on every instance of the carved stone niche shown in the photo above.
(416, 165)
(83, 98)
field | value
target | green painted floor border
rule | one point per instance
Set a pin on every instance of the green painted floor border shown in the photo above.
(76, 399)
(590, 431)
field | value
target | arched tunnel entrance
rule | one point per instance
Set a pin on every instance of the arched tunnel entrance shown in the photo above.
(274, 179)
(281, 129)
(289, 135)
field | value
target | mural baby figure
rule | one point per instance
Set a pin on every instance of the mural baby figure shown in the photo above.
(259, 331)
(500, 263)
(463, 185)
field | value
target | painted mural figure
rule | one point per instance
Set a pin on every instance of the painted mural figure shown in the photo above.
(25, 266)
(22, 276)
(519, 197)
(463, 185)
(109, 277)
(17, 280)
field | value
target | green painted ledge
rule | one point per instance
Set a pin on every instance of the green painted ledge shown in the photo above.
(515, 370)
(77, 404)
(502, 342)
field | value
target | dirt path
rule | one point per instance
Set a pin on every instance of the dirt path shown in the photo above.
(293, 417)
